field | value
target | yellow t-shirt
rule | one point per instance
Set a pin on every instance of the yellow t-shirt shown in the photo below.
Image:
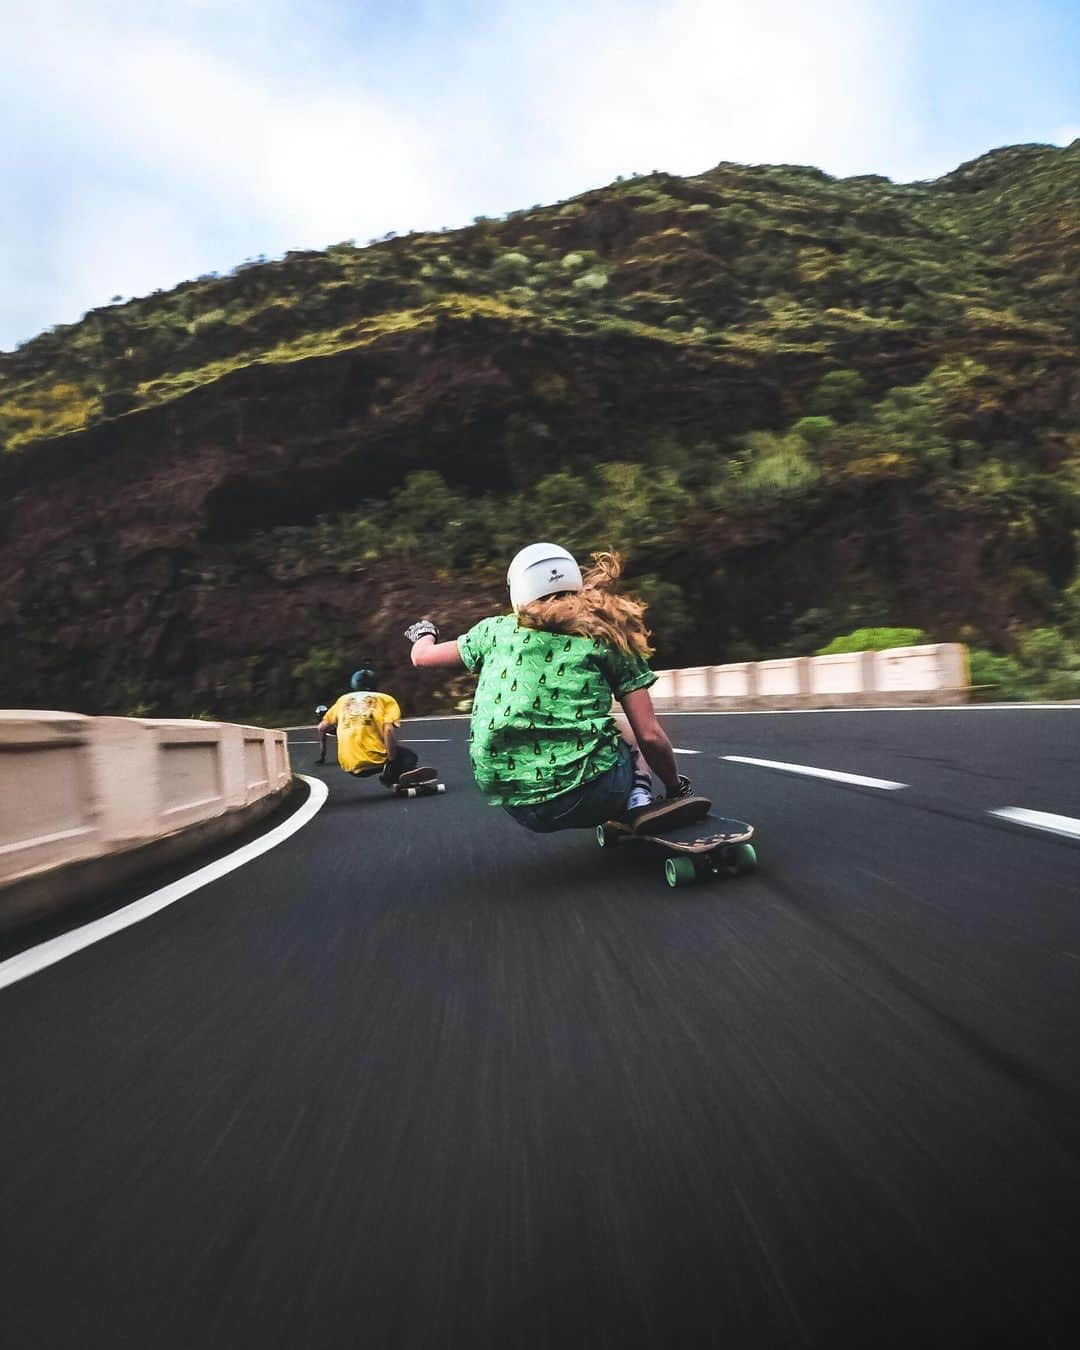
(361, 721)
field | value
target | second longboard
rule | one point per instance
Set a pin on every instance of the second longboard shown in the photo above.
(421, 790)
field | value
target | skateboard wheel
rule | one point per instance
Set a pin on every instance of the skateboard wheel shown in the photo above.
(679, 871)
(410, 792)
(606, 838)
(741, 859)
(440, 787)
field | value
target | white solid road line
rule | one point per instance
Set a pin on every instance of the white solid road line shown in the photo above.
(834, 775)
(1041, 820)
(680, 750)
(47, 954)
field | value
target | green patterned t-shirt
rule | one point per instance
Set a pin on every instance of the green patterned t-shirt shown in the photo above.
(541, 716)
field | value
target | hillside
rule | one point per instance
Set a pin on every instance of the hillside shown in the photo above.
(799, 405)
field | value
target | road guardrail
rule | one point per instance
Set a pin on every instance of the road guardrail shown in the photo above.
(935, 673)
(86, 802)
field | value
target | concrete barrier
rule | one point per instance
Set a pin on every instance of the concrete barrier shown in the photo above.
(784, 682)
(934, 673)
(736, 683)
(844, 679)
(923, 674)
(76, 791)
(695, 687)
(665, 691)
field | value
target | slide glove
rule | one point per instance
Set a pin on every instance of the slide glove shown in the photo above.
(424, 628)
(684, 789)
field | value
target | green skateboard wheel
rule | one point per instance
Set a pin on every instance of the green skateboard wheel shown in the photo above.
(742, 859)
(679, 871)
(606, 838)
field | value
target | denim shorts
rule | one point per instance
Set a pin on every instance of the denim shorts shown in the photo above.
(583, 807)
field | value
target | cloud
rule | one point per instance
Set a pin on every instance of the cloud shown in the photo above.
(171, 113)
(682, 85)
(152, 140)
(147, 158)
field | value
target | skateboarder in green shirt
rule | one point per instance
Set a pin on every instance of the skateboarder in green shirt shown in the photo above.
(543, 742)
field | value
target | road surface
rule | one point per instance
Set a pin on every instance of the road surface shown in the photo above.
(418, 1078)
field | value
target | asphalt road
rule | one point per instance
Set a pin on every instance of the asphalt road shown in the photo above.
(418, 1078)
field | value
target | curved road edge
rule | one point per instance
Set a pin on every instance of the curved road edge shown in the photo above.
(48, 953)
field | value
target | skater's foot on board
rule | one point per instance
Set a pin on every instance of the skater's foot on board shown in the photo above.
(667, 813)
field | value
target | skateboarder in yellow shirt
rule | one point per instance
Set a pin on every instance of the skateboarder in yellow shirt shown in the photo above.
(367, 724)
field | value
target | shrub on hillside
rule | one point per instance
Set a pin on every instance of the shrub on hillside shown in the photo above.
(769, 470)
(511, 267)
(814, 430)
(1053, 661)
(995, 677)
(206, 323)
(593, 280)
(874, 640)
(323, 673)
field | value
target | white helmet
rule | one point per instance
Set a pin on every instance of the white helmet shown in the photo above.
(539, 570)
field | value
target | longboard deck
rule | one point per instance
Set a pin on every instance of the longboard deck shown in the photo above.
(694, 836)
(707, 847)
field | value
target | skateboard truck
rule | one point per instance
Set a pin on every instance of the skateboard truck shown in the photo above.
(421, 790)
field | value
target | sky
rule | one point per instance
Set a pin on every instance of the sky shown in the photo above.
(144, 143)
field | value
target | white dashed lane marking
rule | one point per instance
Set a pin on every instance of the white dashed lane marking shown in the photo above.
(1041, 820)
(811, 771)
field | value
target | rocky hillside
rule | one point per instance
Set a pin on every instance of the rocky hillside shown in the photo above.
(799, 404)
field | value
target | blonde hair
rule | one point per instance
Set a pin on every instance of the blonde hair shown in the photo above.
(596, 611)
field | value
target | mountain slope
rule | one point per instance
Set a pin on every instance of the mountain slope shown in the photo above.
(796, 403)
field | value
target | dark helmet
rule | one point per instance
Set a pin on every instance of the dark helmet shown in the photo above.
(364, 678)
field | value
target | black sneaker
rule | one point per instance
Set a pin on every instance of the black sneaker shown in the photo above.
(666, 814)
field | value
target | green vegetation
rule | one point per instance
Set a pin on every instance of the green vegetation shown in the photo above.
(799, 405)
(625, 505)
(323, 668)
(874, 640)
(1046, 666)
(766, 261)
